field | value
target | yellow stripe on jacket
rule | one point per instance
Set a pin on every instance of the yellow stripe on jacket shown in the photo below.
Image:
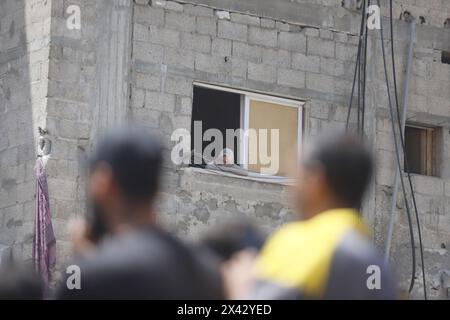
(300, 253)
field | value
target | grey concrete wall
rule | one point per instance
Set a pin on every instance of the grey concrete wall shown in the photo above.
(24, 62)
(330, 12)
(139, 60)
(176, 44)
(60, 80)
(88, 93)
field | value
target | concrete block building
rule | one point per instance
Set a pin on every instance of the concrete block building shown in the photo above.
(150, 61)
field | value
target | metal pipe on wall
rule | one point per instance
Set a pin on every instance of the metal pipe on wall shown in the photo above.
(392, 215)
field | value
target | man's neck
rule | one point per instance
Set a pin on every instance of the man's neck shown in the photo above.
(137, 218)
(321, 207)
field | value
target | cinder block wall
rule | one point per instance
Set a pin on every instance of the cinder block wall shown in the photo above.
(88, 93)
(435, 12)
(139, 59)
(175, 44)
(24, 63)
(74, 83)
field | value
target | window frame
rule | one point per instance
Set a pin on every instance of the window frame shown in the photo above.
(248, 96)
(431, 163)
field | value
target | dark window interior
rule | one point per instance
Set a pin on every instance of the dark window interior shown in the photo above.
(216, 109)
(414, 147)
(446, 57)
(420, 146)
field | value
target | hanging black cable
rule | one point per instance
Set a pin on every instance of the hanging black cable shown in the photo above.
(364, 71)
(357, 66)
(402, 140)
(393, 64)
(360, 75)
(397, 153)
(358, 121)
(349, 109)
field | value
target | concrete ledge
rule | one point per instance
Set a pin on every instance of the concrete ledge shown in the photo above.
(192, 170)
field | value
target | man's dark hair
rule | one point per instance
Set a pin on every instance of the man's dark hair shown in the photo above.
(348, 167)
(135, 157)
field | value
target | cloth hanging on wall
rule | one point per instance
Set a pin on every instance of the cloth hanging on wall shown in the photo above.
(44, 244)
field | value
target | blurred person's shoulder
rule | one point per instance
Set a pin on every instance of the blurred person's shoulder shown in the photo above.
(359, 271)
(290, 233)
(144, 264)
(116, 266)
(322, 231)
(332, 246)
(150, 247)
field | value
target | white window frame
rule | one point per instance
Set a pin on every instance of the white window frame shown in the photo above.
(245, 112)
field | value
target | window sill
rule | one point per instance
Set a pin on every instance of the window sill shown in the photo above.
(283, 182)
(419, 175)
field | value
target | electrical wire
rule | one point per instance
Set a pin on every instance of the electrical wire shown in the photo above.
(397, 153)
(364, 72)
(402, 140)
(357, 67)
(358, 124)
(360, 68)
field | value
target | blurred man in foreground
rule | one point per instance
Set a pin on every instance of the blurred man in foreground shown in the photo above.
(124, 254)
(327, 255)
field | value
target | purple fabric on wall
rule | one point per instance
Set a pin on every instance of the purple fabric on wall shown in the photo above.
(44, 244)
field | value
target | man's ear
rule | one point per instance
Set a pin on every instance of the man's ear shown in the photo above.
(101, 182)
(317, 181)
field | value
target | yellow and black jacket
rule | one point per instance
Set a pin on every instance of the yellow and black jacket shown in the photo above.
(326, 257)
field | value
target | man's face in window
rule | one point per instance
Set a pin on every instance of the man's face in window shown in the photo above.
(226, 157)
